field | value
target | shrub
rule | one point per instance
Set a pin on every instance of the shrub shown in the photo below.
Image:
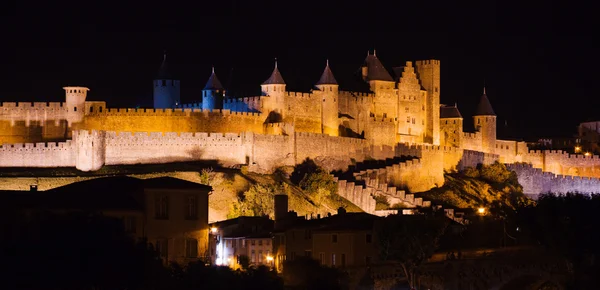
(256, 201)
(209, 177)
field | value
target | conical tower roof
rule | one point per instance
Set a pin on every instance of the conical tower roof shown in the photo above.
(375, 69)
(164, 73)
(213, 82)
(484, 108)
(327, 77)
(275, 78)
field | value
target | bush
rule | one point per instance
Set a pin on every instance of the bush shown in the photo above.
(209, 177)
(471, 172)
(256, 201)
(302, 170)
(497, 173)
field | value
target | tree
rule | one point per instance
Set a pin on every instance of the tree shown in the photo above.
(568, 224)
(256, 201)
(244, 262)
(307, 273)
(314, 180)
(410, 241)
(78, 251)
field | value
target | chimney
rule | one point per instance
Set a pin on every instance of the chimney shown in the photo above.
(281, 210)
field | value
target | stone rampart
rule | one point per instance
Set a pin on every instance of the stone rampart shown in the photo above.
(245, 104)
(473, 158)
(51, 154)
(359, 195)
(32, 122)
(173, 120)
(142, 147)
(535, 181)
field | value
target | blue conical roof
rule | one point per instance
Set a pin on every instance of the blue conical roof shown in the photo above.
(213, 82)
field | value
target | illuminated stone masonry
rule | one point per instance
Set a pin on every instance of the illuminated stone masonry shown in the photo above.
(394, 116)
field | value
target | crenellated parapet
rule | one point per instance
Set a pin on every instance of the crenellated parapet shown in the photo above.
(535, 181)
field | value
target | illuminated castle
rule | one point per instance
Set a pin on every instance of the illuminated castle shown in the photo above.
(397, 116)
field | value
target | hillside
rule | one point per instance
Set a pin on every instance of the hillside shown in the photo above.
(228, 185)
(491, 186)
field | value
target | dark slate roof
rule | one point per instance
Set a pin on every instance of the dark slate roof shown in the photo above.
(327, 77)
(275, 78)
(484, 108)
(213, 82)
(376, 70)
(108, 193)
(449, 112)
(164, 73)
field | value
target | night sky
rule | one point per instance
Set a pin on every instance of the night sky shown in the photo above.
(536, 59)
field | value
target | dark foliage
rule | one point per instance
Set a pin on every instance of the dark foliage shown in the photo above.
(302, 170)
(305, 273)
(568, 225)
(88, 251)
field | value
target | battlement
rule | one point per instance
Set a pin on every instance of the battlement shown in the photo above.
(192, 105)
(243, 99)
(300, 95)
(428, 62)
(31, 105)
(36, 146)
(357, 94)
(194, 111)
(113, 136)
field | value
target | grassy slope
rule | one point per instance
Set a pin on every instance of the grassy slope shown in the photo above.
(467, 192)
(228, 183)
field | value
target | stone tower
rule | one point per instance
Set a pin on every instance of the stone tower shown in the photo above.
(451, 126)
(75, 102)
(90, 149)
(429, 74)
(213, 93)
(382, 84)
(274, 88)
(485, 122)
(328, 98)
(166, 88)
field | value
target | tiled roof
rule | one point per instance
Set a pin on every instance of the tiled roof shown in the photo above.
(327, 77)
(449, 112)
(484, 108)
(275, 78)
(213, 82)
(375, 69)
(164, 73)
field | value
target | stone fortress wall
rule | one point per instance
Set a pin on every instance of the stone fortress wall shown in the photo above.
(399, 118)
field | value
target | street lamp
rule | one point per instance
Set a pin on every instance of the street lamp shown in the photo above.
(577, 149)
(481, 210)
(213, 230)
(587, 154)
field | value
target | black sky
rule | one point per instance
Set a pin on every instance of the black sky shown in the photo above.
(536, 58)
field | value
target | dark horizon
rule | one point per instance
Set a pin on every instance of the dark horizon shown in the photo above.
(537, 66)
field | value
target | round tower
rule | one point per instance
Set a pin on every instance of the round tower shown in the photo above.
(213, 93)
(166, 88)
(328, 90)
(485, 122)
(75, 103)
(274, 88)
